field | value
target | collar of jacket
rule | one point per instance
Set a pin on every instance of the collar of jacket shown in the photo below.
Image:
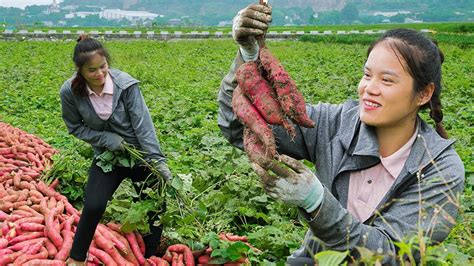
(361, 142)
(122, 79)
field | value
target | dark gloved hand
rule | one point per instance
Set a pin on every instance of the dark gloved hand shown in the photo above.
(115, 142)
(248, 23)
(162, 168)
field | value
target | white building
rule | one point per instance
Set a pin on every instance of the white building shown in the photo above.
(413, 20)
(391, 14)
(112, 14)
(80, 14)
(224, 23)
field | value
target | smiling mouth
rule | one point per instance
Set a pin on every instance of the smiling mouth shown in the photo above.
(371, 104)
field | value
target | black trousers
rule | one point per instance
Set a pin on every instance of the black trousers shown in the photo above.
(99, 190)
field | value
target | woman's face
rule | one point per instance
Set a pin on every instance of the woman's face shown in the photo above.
(95, 71)
(386, 93)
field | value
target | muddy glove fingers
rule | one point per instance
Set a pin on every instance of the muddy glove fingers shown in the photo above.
(295, 165)
(297, 186)
(267, 180)
(250, 22)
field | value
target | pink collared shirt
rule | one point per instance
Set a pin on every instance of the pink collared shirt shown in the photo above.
(102, 103)
(369, 186)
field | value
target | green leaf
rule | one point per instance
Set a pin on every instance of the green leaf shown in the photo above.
(106, 156)
(176, 183)
(105, 166)
(237, 250)
(123, 161)
(330, 258)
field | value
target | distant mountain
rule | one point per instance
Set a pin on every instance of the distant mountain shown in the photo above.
(285, 12)
(192, 6)
(200, 6)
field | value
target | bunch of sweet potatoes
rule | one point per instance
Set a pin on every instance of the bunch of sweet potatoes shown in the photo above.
(266, 94)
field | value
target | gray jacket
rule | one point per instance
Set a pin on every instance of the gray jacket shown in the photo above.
(422, 197)
(130, 119)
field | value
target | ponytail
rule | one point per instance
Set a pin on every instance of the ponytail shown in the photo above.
(435, 103)
(79, 85)
(437, 115)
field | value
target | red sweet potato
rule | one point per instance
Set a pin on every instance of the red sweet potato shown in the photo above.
(3, 243)
(181, 250)
(102, 242)
(128, 255)
(132, 240)
(291, 100)
(5, 251)
(21, 260)
(52, 250)
(32, 227)
(24, 237)
(114, 253)
(68, 238)
(102, 256)
(104, 230)
(140, 242)
(252, 119)
(255, 149)
(159, 261)
(262, 95)
(51, 229)
(45, 262)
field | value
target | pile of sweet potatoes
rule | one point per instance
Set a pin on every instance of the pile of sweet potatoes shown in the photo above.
(37, 223)
(266, 94)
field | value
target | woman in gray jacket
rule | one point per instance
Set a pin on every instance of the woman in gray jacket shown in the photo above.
(382, 173)
(105, 108)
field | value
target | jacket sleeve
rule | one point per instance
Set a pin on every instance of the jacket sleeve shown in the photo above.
(300, 147)
(429, 205)
(75, 125)
(227, 121)
(142, 124)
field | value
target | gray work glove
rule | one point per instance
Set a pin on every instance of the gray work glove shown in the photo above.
(292, 182)
(250, 22)
(163, 170)
(114, 141)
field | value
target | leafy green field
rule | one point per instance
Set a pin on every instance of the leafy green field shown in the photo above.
(180, 80)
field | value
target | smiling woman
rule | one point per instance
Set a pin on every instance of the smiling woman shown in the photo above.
(383, 174)
(105, 108)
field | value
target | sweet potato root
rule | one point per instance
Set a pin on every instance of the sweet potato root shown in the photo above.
(252, 119)
(262, 95)
(255, 149)
(291, 100)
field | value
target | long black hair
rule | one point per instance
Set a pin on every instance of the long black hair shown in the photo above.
(423, 60)
(85, 48)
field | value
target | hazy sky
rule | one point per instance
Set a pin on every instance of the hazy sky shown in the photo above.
(23, 3)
